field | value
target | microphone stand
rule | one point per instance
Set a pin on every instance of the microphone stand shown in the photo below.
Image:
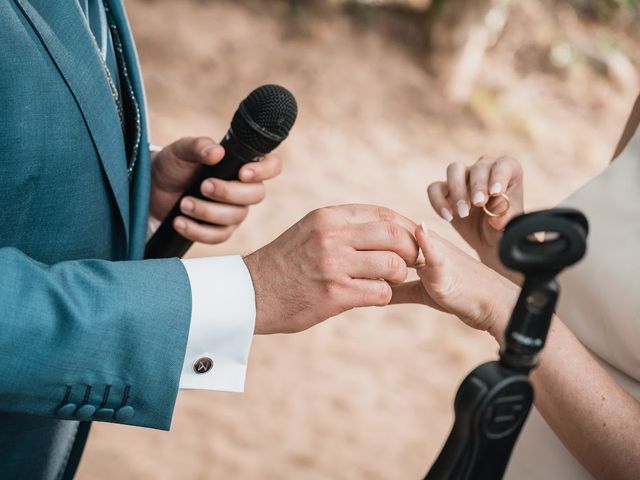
(494, 400)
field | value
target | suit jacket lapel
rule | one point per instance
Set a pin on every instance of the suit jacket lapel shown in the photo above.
(139, 210)
(65, 35)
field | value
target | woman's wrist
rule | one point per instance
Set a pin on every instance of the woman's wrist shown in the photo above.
(504, 297)
(490, 258)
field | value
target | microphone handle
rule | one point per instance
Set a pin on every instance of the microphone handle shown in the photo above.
(166, 242)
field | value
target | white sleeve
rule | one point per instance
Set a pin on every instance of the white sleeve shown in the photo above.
(223, 315)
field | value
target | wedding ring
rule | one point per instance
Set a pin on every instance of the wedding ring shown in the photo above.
(492, 214)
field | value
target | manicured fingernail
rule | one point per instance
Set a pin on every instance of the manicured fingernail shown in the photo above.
(208, 187)
(478, 198)
(446, 214)
(180, 224)
(187, 205)
(495, 188)
(248, 174)
(463, 208)
(423, 227)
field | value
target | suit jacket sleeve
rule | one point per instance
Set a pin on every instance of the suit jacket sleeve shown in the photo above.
(92, 339)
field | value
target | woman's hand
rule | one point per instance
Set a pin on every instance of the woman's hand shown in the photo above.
(459, 199)
(454, 282)
(227, 204)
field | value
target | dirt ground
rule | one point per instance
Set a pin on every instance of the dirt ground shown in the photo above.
(367, 395)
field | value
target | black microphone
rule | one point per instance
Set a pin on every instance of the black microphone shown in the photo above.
(261, 122)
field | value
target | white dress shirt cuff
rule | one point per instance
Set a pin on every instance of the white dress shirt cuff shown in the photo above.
(223, 317)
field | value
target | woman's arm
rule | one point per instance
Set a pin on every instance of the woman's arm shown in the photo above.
(595, 418)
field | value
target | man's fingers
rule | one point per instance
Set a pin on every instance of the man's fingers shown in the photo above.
(215, 213)
(457, 186)
(437, 193)
(368, 293)
(197, 232)
(479, 181)
(359, 213)
(503, 171)
(378, 265)
(269, 167)
(233, 192)
(383, 236)
(197, 150)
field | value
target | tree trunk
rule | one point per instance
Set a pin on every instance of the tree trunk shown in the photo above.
(459, 33)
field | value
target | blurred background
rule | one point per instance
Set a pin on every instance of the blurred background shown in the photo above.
(389, 92)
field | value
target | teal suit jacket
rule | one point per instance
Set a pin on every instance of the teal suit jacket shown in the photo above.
(88, 330)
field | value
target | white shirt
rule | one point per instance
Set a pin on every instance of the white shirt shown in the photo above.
(223, 313)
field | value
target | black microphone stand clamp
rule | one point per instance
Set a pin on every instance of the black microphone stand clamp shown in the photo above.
(494, 400)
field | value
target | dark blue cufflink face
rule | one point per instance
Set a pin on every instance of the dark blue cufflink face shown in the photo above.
(124, 413)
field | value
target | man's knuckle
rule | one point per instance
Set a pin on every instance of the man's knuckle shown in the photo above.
(394, 231)
(393, 262)
(324, 240)
(385, 214)
(320, 216)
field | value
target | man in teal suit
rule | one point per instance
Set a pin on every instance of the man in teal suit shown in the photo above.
(88, 330)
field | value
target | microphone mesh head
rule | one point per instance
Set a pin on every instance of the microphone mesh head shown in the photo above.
(264, 118)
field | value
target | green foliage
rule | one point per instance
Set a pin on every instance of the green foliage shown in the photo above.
(606, 9)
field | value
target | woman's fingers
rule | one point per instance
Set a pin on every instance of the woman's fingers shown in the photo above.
(503, 172)
(438, 193)
(429, 245)
(479, 174)
(457, 186)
